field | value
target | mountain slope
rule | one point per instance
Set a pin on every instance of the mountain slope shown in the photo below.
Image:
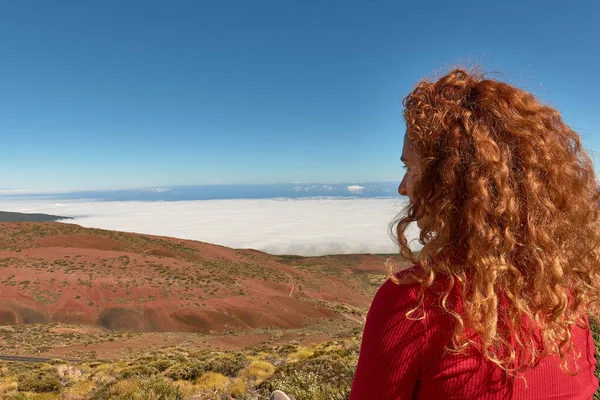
(55, 272)
(6, 216)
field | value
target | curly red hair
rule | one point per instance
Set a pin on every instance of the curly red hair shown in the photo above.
(512, 206)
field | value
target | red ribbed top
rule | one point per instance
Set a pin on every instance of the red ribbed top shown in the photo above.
(404, 359)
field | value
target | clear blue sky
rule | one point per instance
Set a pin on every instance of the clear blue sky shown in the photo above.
(107, 94)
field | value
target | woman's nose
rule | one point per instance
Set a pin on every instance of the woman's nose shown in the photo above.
(402, 188)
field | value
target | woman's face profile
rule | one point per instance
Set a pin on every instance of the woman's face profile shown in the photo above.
(410, 159)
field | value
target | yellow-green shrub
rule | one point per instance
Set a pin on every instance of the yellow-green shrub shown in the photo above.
(302, 354)
(38, 396)
(41, 382)
(126, 387)
(258, 371)
(187, 388)
(81, 388)
(226, 364)
(238, 387)
(212, 381)
(8, 384)
(183, 371)
(156, 387)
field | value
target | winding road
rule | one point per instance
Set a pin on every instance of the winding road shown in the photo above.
(6, 357)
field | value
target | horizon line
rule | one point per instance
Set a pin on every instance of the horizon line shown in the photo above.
(8, 192)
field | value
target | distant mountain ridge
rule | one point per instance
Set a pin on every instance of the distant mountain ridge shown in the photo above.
(6, 216)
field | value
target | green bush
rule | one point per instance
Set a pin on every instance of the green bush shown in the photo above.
(226, 364)
(212, 381)
(40, 382)
(138, 371)
(258, 371)
(152, 388)
(161, 365)
(338, 372)
(303, 385)
(326, 374)
(160, 388)
(187, 371)
(286, 349)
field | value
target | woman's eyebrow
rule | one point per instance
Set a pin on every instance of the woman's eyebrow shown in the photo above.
(403, 159)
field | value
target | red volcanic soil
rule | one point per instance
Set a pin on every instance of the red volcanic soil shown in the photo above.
(55, 272)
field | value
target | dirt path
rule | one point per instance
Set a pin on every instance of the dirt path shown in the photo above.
(291, 283)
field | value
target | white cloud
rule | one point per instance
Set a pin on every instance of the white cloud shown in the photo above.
(314, 226)
(313, 188)
(158, 190)
(356, 189)
(321, 188)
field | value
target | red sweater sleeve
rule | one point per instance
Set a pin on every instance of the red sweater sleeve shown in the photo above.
(389, 364)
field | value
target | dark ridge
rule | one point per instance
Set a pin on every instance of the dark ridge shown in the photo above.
(6, 216)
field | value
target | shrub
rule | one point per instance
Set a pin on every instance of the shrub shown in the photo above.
(287, 349)
(226, 364)
(238, 387)
(332, 350)
(125, 388)
(35, 396)
(139, 371)
(212, 381)
(186, 388)
(8, 384)
(322, 377)
(309, 385)
(159, 387)
(41, 381)
(258, 371)
(161, 365)
(156, 387)
(186, 370)
(80, 389)
(302, 354)
(301, 385)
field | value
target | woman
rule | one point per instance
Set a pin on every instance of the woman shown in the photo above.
(496, 304)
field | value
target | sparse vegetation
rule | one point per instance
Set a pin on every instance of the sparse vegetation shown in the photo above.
(176, 373)
(317, 372)
(33, 339)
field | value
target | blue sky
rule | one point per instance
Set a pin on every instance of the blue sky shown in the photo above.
(115, 94)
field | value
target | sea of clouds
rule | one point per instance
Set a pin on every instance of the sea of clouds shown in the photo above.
(307, 226)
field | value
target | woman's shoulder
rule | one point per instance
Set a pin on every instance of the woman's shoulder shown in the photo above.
(406, 276)
(402, 290)
(405, 291)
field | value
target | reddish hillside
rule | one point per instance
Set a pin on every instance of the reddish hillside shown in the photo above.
(54, 272)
